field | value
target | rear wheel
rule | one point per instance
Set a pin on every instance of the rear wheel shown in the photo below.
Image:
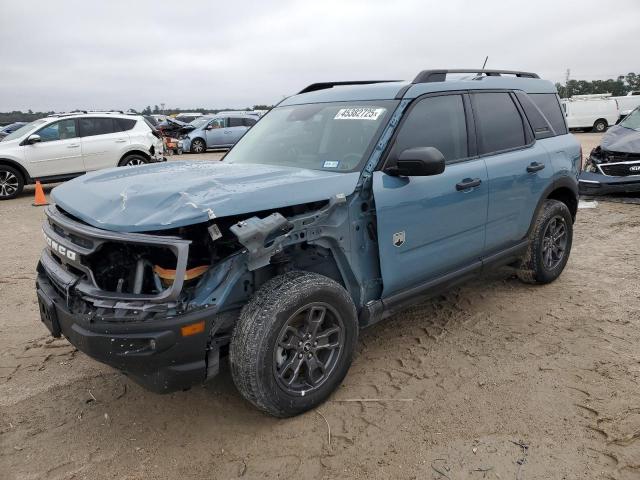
(549, 244)
(133, 160)
(293, 343)
(600, 125)
(11, 182)
(198, 146)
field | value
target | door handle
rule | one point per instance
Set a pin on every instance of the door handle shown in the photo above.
(121, 140)
(535, 167)
(468, 183)
(75, 145)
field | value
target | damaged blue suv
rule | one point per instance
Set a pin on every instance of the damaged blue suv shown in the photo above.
(341, 206)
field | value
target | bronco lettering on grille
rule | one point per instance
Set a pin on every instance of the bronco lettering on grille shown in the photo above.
(64, 251)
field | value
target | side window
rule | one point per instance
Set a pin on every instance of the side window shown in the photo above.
(235, 122)
(549, 105)
(499, 122)
(95, 126)
(58, 131)
(124, 124)
(217, 123)
(537, 120)
(436, 122)
(248, 122)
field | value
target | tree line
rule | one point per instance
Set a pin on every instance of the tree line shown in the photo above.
(618, 87)
(29, 116)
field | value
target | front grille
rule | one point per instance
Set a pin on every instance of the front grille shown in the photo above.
(620, 169)
(113, 267)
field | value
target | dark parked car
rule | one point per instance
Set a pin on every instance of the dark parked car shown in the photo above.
(614, 165)
(6, 130)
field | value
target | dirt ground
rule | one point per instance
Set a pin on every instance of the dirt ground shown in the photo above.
(494, 380)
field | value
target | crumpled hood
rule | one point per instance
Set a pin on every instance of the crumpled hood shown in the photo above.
(168, 195)
(620, 139)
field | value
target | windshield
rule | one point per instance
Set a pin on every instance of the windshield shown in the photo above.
(199, 122)
(22, 130)
(321, 136)
(632, 120)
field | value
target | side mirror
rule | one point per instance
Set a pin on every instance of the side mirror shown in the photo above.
(33, 139)
(418, 162)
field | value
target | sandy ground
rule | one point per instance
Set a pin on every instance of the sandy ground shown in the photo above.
(494, 380)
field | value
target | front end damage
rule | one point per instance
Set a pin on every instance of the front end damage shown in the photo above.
(160, 306)
(607, 171)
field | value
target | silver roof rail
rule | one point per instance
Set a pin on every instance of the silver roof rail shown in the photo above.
(428, 76)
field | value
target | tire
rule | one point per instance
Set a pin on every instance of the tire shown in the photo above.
(549, 244)
(11, 182)
(600, 126)
(274, 349)
(133, 160)
(198, 146)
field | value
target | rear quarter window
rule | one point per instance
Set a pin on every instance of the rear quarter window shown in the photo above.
(124, 124)
(549, 105)
(541, 127)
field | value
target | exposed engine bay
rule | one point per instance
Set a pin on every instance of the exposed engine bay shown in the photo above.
(177, 269)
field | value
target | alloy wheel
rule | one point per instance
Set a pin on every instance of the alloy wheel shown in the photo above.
(198, 146)
(8, 183)
(554, 242)
(309, 346)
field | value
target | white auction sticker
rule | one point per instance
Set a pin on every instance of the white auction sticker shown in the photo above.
(331, 164)
(359, 113)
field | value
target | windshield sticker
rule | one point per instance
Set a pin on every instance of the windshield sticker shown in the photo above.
(359, 113)
(331, 164)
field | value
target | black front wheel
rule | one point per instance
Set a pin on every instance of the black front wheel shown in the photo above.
(549, 244)
(293, 343)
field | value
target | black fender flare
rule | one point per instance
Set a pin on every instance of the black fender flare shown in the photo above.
(563, 182)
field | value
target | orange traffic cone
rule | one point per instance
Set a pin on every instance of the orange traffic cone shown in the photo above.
(40, 199)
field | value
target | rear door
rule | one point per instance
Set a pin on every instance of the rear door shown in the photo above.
(238, 127)
(102, 142)
(59, 151)
(518, 167)
(429, 226)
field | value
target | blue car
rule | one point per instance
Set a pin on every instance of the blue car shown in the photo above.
(12, 127)
(217, 131)
(344, 204)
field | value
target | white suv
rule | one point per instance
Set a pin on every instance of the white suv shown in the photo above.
(63, 146)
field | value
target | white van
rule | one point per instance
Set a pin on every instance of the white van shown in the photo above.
(591, 111)
(628, 102)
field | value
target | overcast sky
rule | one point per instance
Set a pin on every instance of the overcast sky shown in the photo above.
(66, 54)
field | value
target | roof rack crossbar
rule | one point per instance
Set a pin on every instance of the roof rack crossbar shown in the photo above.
(428, 76)
(84, 112)
(324, 85)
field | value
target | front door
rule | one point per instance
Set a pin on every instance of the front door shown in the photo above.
(433, 225)
(59, 151)
(215, 132)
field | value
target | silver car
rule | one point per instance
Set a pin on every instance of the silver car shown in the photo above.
(222, 130)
